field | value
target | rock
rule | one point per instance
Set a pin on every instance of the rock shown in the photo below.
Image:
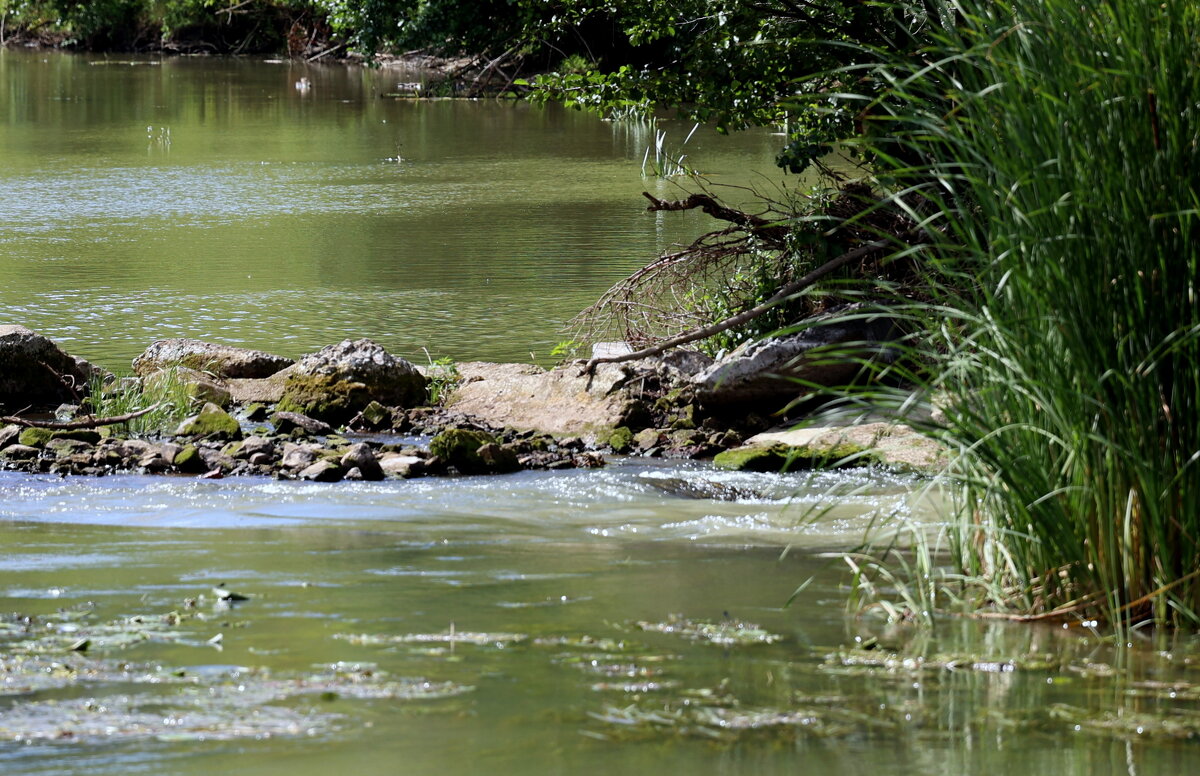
(376, 416)
(360, 457)
(399, 465)
(499, 459)
(267, 390)
(621, 440)
(459, 448)
(189, 460)
(784, 458)
(215, 460)
(776, 371)
(9, 435)
(338, 381)
(63, 448)
(649, 438)
(254, 445)
(560, 401)
(220, 360)
(322, 471)
(35, 437)
(256, 412)
(298, 456)
(285, 422)
(212, 423)
(35, 372)
(756, 458)
(891, 444)
(19, 452)
(199, 387)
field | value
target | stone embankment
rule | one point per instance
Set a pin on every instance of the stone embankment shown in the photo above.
(354, 411)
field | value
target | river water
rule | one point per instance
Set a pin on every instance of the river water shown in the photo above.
(630, 619)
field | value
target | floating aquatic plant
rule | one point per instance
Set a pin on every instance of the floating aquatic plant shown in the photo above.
(727, 633)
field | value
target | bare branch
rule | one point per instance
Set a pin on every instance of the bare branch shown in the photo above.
(88, 422)
(789, 290)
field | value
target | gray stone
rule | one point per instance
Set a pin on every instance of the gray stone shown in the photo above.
(9, 435)
(776, 371)
(559, 401)
(221, 360)
(19, 452)
(298, 456)
(338, 381)
(322, 471)
(35, 372)
(361, 457)
(255, 445)
(399, 465)
(286, 421)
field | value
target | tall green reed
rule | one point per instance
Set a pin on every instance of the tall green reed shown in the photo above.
(1051, 151)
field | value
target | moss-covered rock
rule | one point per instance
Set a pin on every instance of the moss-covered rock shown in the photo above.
(188, 460)
(621, 440)
(459, 448)
(782, 458)
(35, 437)
(212, 423)
(339, 381)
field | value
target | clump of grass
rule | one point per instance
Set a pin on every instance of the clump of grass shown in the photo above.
(168, 394)
(1051, 150)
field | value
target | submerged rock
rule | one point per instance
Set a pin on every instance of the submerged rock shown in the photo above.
(36, 373)
(221, 360)
(339, 381)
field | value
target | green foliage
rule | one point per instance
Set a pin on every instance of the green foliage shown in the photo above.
(566, 350)
(443, 375)
(169, 394)
(1061, 198)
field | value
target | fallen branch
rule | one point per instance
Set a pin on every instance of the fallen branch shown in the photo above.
(88, 422)
(786, 291)
(756, 225)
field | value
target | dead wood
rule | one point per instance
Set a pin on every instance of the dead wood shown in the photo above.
(88, 422)
(786, 291)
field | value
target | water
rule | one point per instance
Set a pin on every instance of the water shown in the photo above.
(209, 198)
(204, 198)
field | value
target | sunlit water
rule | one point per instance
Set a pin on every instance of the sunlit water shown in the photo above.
(211, 199)
(206, 198)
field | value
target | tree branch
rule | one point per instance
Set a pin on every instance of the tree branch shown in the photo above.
(749, 222)
(88, 422)
(791, 289)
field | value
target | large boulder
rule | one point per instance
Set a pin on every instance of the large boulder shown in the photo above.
(773, 372)
(221, 360)
(36, 373)
(559, 401)
(338, 381)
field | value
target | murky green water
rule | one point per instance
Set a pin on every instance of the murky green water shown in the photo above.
(578, 622)
(193, 197)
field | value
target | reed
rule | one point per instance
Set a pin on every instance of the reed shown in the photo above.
(1051, 149)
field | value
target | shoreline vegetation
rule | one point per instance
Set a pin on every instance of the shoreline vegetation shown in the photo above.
(1025, 214)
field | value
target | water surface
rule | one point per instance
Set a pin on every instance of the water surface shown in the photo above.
(212, 199)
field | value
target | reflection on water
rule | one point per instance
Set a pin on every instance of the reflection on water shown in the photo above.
(207, 198)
